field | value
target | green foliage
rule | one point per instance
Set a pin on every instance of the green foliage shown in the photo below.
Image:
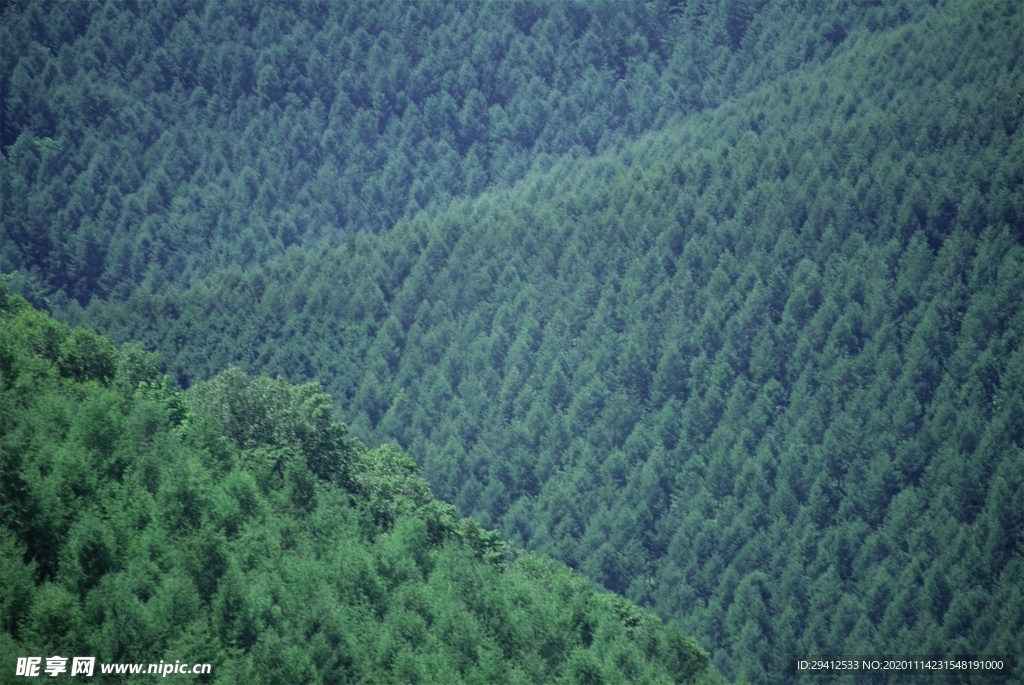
(17, 577)
(716, 301)
(758, 368)
(271, 413)
(147, 145)
(249, 552)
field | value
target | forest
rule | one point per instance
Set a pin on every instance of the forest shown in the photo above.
(719, 303)
(239, 525)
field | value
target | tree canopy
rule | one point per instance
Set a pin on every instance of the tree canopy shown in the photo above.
(237, 525)
(739, 339)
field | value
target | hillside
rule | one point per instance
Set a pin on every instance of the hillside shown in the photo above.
(156, 142)
(760, 370)
(751, 357)
(237, 525)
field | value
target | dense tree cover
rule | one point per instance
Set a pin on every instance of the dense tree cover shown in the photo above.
(761, 370)
(154, 141)
(238, 525)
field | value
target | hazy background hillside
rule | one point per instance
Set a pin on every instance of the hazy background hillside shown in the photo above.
(751, 355)
(157, 141)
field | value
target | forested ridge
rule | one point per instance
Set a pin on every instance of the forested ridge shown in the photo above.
(755, 362)
(238, 525)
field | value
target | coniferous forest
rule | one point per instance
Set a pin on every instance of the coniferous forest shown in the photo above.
(719, 303)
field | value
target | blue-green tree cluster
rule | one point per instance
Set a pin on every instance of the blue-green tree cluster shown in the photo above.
(760, 370)
(154, 142)
(718, 303)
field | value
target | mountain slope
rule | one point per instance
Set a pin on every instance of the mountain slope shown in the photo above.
(157, 142)
(760, 369)
(237, 526)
